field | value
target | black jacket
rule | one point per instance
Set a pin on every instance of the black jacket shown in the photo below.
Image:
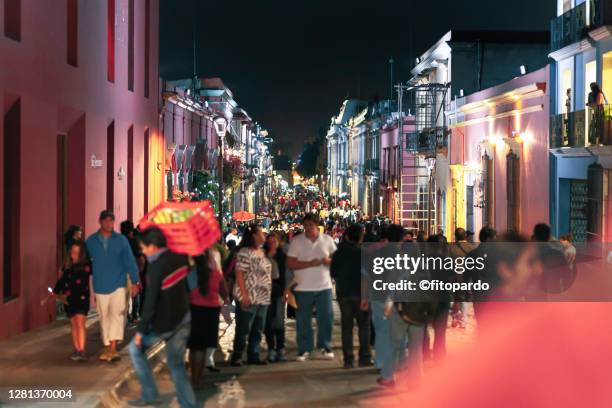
(166, 296)
(345, 268)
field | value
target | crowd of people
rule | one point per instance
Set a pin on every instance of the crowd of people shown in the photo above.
(303, 250)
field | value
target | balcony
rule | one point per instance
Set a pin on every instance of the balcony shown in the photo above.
(371, 165)
(570, 130)
(574, 25)
(428, 140)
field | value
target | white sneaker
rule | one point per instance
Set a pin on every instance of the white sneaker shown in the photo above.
(303, 357)
(326, 354)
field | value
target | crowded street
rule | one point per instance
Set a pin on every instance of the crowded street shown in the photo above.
(340, 203)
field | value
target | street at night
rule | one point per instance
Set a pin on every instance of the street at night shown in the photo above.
(306, 204)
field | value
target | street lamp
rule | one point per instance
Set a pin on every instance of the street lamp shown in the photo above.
(220, 123)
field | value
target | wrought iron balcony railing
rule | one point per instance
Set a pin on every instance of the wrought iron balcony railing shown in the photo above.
(427, 140)
(574, 25)
(570, 130)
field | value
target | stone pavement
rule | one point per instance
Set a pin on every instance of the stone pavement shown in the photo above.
(40, 358)
(315, 383)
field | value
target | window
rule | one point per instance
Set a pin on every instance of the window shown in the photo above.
(110, 41)
(513, 190)
(130, 174)
(131, 45)
(12, 19)
(147, 148)
(110, 166)
(147, 28)
(11, 273)
(487, 191)
(72, 32)
(62, 195)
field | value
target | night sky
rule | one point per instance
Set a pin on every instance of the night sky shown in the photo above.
(291, 63)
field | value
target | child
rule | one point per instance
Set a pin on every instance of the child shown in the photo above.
(73, 287)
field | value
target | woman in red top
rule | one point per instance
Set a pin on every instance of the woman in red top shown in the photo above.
(206, 301)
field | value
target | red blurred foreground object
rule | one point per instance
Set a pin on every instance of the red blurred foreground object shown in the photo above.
(243, 216)
(526, 355)
(189, 227)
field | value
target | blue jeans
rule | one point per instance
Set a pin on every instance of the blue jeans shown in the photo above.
(402, 334)
(322, 301)
(176, 342)
(383, 345)
(250, 322)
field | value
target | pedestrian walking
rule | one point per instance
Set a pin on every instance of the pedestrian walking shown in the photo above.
(165, 317)
(112, 261)
(309, 257)
(73, 287)
(135, 300)
(252, 293)
(346, 270)
(208, 295)
(275, 319)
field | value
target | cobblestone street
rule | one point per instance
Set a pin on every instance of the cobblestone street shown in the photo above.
(314, 383)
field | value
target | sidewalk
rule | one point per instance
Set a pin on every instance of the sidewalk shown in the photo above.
(40, 358)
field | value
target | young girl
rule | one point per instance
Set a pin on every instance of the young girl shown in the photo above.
(73, 287)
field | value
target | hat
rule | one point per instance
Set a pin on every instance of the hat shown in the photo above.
(106, 214)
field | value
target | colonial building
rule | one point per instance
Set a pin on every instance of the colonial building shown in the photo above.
(498, 155)
(338, 145)
(190, 107)
(581, 132)
(470, 61)
(79, 128)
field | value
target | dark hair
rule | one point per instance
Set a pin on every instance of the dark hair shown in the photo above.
(354, 232)
(541, 232)
(271, 235)
(83, 256)
(126, 227)
(460, 234)
(486, 234)
(69, 235)
(394, 233)
(311, 217)
(203, 269)
(248, 239)
(153, 236)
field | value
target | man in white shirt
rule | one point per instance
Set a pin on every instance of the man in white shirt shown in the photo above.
(233, 236)
(309, 257)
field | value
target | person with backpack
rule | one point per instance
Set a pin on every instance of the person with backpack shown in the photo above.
(166, 316)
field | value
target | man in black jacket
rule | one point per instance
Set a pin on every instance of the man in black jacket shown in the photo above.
(345, 268)
(165, 317)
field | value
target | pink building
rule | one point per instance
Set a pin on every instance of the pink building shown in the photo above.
(498, 156)
(395, 173)
(79, 133)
